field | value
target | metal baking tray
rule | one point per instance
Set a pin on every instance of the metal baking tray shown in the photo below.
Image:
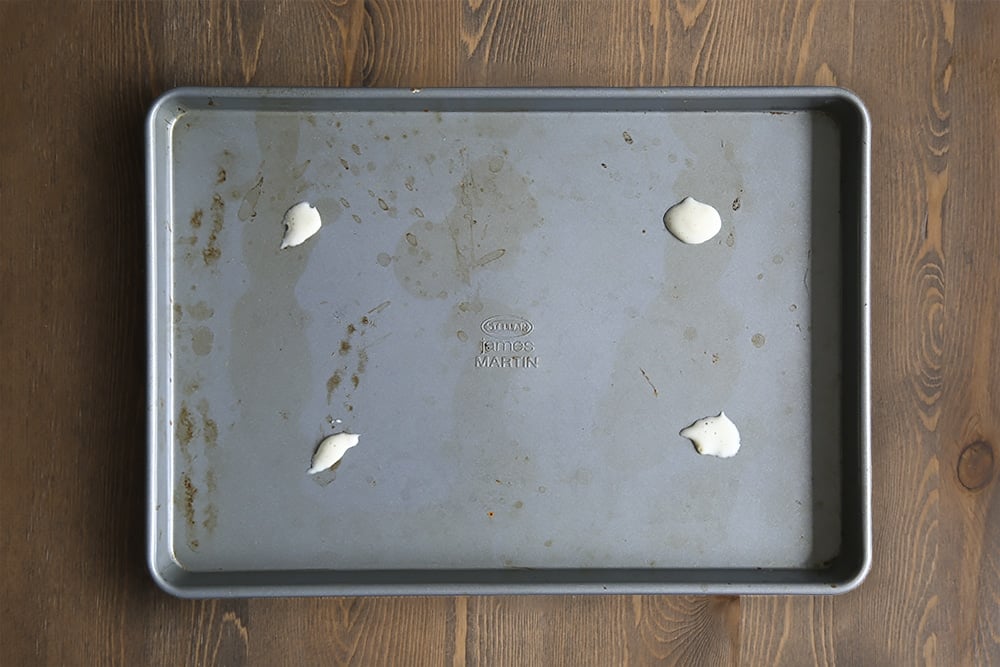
(494, 305)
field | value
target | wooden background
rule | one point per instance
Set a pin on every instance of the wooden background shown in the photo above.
(75, 80)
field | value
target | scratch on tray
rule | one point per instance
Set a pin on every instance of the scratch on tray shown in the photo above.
(379, 308)
(805, 276)
(650, 382)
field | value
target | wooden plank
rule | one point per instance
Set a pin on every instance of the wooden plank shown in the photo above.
(966, 122)
(910, 594)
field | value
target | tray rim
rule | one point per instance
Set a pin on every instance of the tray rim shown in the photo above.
(499, 581)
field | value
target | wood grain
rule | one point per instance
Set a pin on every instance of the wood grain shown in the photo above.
(77, 78)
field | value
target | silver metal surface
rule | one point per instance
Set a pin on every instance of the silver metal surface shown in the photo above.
(494, 305)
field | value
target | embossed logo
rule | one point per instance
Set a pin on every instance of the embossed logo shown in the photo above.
(506, 327)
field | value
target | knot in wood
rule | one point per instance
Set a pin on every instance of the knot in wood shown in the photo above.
(975, 465)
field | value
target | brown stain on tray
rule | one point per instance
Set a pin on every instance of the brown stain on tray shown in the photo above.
(212, 252)
(191, 386)
(200, 311)
(345, 349)
(185, 427)
(197, 434)
(190, 493)
(331, 385)
(211, 512)
(201, 341)
(210, 429)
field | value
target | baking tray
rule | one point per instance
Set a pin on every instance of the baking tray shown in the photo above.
(458, 218)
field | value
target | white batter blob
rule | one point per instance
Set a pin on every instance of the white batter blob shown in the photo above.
(331, 450)
(301, 221)
(714, 436)
(692, 221)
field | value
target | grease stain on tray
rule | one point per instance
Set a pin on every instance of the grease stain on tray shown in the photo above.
(332, 383)
(217, 211)
(200, 512)
(268, 350)
(191, 386)
(190, 493)
(201, 341)
(210, 429)
(185, 430)
(200, 311)
(299, 170)
(494, 210)
(211, 250)
(248, 205)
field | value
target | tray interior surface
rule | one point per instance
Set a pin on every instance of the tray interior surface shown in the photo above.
(509, 456)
